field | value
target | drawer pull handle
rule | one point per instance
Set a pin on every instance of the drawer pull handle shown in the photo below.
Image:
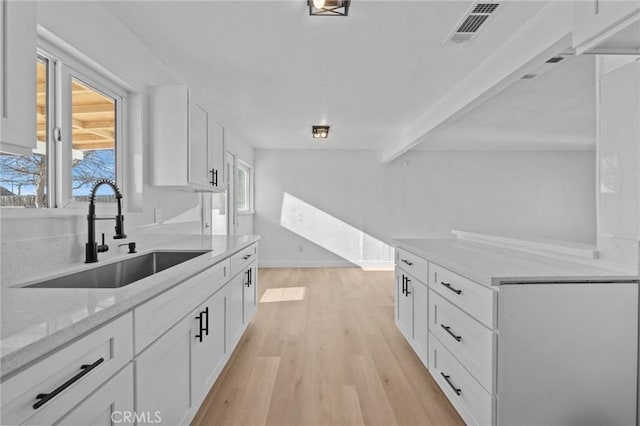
(458, 391)
(43, 398)
(447, 285)
(246, 257)
(407, 262)
(448, 330)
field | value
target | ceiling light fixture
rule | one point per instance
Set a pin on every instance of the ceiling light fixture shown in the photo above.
(320, 132)
(328, 7)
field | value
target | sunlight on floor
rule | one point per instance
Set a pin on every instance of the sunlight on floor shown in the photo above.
(284, 294)
(334, 235)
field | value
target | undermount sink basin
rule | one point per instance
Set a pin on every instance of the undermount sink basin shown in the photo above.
(121, 273)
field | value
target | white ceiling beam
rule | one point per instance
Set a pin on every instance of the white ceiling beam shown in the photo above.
(546, 34)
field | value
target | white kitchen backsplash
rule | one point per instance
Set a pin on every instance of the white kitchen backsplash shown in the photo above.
(30, 259)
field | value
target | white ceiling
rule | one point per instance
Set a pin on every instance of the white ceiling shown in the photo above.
(271, 71)
(554, 111)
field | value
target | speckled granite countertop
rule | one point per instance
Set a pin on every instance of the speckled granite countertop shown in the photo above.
(36, 321)
(494, 266)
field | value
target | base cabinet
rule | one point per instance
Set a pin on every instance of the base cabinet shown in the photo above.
(234, 313)
(208, 345)
(404, 305)
(250, 293)
(163, 376)
(412, 302)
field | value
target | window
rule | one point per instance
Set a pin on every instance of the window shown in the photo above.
(79, 136)
(244, 191)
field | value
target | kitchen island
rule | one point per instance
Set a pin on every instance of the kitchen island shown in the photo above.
(521, 338)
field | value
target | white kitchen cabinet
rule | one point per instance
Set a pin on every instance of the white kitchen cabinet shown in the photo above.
(216, 155)
(597, 21)
(187, 145)
(18, 77)
(67, 376)
(250, 292)
(208, 346)
(234, 313)
(110, 404)
(411, 310)
(155, 317)
(412, 301)
(404, 305)
(163, 375)
(421, 321)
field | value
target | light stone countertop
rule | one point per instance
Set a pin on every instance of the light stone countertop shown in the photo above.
(495, 266)
(36, 321)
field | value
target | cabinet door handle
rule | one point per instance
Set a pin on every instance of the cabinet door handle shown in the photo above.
(206, 322)
(407, 292)
(200, 318)
(407, 262)
(458, 391)
(448, 330)
(248, 272)
(447, 285)
(404, 284)
(214, 177)
(43, 398)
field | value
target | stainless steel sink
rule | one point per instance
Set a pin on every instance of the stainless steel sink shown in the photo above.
(122, 273)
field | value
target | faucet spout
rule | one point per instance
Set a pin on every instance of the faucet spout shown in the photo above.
(91, 248)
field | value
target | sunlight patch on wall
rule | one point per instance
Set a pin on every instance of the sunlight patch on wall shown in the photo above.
(334, 235)
(284, 294)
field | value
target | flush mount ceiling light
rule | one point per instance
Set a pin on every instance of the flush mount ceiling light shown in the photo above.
(320, 132)
(328, 7)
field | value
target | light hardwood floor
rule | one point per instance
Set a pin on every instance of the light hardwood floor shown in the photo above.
(333, 358)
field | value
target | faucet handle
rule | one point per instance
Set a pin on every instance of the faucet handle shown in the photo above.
(103, 247)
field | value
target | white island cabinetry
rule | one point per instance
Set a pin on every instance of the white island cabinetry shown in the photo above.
(510, 345)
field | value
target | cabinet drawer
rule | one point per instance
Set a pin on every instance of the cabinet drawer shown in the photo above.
(473, 298)
(99, 355)
(474, 404)
(411, 263)
(240, 260)
(158, 315)
(471, 343)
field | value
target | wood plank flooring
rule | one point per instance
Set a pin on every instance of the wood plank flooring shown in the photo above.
(333, 358)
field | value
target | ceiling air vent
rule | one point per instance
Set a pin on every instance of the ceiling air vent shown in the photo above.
(472, 21)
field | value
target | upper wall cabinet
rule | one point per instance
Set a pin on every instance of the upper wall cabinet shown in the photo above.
(606, 26)
(18, 76)
(187, 145)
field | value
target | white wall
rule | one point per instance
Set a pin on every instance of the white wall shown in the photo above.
(422, 194)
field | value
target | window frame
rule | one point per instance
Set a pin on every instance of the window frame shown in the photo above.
(248, 169)
(62, 67)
